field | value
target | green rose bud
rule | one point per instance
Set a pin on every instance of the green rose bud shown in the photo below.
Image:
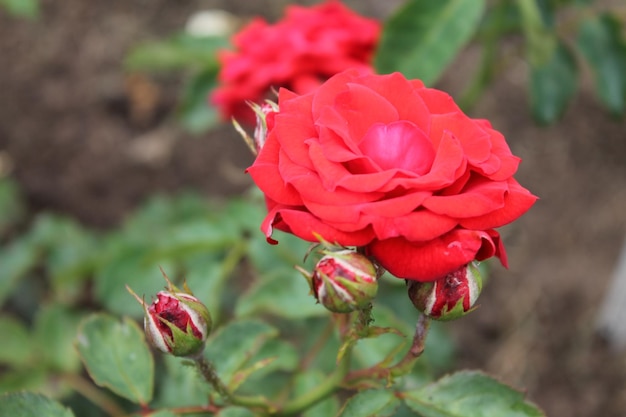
(450, 297)
(343, 281)
(176, 322)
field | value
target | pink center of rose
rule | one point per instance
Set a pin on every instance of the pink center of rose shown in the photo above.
(398, 145)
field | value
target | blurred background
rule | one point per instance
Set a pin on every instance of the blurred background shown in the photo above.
(83, 136)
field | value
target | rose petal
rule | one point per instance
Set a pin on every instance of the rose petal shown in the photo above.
(507, 163)
(267, 177)
(293, 126)
(417, 226)
(386, 208)
(362, 107)
(517, 201)
(477, 198)
(473, 139)
(431, 260)
(399, 91)
(308, 227)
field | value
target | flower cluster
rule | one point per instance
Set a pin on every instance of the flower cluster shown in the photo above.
(299, 52)
(384, 163)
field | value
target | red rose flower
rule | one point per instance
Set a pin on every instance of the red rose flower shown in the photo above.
(305, 48)
(384, 163)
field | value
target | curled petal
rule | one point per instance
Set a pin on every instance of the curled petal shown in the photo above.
(431, 260)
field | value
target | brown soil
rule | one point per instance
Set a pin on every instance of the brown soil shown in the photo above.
(85, 139)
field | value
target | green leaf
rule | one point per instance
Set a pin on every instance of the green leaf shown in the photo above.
(181, 386)
(248, 212)
(21, 8)
(305, 382)
(16, 349)
(423, 37)
(599, 41)
(10, 204)
(133, 267)
(160, 413)
(235, 412)
(469, 394)
(230, 348)
(16, 259)
(28, 404)
(181, 52)
(206, 278)
(371, 403)
(552, 84)
(284, 293)
(195, 112)
(25, 379)
(117, 357)
(71, 259)
(54, 331)
(193, 236)
(274, 355)
(268, 258)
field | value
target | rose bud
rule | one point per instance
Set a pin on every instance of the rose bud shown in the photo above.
(261, 128)
(264, 122)
(449, 297)
(343, 281)
(176, 322)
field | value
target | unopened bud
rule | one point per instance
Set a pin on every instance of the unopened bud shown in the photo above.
(343, 281)
(449, 297)
(264, 122)
(176, 322)
(262, 112)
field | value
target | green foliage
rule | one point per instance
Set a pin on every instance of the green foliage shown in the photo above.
(17, 349)
(195, 113)
(423, 37)
(26, 404)
(191, 55)
(371, 403)
(178, 384)
(232, 346)
(307, 381)
(552, 84)
(117, 357)
(469, 394)
(28, 9)
(10, 205)
(601, 44)
(180, 52)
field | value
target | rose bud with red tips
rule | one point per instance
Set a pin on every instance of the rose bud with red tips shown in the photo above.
(450, 297)
(176, 322)
(343, 281)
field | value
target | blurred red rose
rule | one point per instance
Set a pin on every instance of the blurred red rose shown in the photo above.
(299, 52)
(382, 162)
